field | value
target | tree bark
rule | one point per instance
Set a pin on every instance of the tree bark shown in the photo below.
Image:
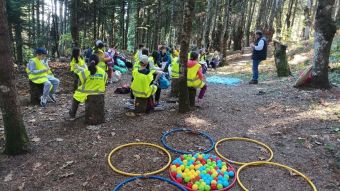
(307, 20)
(18, 43)
(281, 61)
(189, 6)
(95, 109)
(207, 23)
(325, 30)
(278, 18)
(289, 13)
(16, 139)
(261, 15)
(74, 22)
(251, 9)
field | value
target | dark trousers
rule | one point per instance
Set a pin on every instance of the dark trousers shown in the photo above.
(74, 108)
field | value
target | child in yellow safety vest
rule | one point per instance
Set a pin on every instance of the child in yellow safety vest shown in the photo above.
(144, 81)
(39, 73)
(92, 82)
(195, 76)
(77, 65)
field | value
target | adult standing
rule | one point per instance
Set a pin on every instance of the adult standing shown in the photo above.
(259, 54)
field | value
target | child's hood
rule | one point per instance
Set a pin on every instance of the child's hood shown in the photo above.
(191, 63)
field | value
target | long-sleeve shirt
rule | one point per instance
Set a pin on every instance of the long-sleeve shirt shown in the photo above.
(259, 46)
(31, 66)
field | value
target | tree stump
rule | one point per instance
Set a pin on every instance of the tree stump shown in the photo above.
(141, 105)
(192, 96)
(281, 61)
(94, 109)
(174, 87)
(36, 90)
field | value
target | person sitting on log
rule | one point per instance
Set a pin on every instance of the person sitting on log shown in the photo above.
(195, 76)
(40, 73)
(144, 84)
(92, 82)
(77, 65)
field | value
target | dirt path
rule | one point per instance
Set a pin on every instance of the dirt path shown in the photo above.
(301, 126)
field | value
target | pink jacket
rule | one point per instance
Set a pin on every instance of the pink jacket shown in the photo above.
(192, 63)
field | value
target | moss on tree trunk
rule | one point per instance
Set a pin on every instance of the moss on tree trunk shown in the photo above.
(281, 61)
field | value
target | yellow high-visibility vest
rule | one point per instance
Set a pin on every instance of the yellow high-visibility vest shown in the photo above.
(192, 77)
(78, 67)
(41, 77)
(175, 67)
(90, 84)
(140, 86)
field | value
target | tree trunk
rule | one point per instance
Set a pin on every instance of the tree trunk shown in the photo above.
(307, 20)
(16, 139)
(95, 109)
(74, 22)
(261, 15)
(278, 18)
(289, 13)
(33, 25)
(127, 25)
(189, 6)
(207, 23)
(251, 9)
(224, 33)
(18, 43)
(325, 30)
(281, 61)
(94, 20)
(38, 21)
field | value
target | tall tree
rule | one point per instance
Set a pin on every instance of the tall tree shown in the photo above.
(189, 6)
(325, 30)
(74, 22)
(307, 19)
(15, 133)
(278, 18)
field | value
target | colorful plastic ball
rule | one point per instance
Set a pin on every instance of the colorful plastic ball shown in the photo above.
(231, 173)
(207, 188)
(219, 186)
(194, 187)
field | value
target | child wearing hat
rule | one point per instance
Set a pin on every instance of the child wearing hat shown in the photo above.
(39, 73)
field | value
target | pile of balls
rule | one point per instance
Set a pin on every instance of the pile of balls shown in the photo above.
(203, 172)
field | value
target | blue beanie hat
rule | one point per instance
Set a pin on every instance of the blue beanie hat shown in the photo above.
(40, 51)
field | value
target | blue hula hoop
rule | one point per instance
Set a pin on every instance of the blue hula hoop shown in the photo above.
(119, 186)
(166, 134)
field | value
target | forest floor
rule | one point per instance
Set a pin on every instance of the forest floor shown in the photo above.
(301, 126)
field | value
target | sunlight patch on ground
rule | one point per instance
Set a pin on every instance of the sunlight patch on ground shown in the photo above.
(198, 123)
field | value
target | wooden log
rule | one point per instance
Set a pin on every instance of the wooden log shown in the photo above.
(141, 105)
(36, 90)
(174, 87)
(281, 60)
(192, 96)
(94, 109)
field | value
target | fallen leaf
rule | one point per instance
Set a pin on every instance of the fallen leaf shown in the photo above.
(59, 139)
(84, 184)
(36, 139)
(68, 163)
(262, 158)
(113, 134)
(21, 187)
(9, 177)
(155, 159)
(36, 165)
(66, 175)
(32, 121)
(136, 156)
(292, 173)
(93, 128)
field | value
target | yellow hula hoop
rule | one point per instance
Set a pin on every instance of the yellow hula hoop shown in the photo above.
(136, 174)
(242, 139)
(257, 163)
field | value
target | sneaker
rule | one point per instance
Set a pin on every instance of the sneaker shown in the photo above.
(43, 101)
(199, 102)
(52, 98)
(159, 107)
(253, 82)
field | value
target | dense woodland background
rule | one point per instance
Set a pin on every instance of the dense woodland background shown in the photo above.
(219, 24)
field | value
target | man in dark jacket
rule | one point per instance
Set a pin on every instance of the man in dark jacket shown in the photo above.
(259, 54)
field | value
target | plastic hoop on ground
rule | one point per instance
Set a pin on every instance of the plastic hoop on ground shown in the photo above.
(242, 139)
(258, 163)
(166, 134)
(119, 186)
(138, 174)
(224, 189)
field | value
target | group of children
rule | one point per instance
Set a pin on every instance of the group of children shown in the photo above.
(91, 77)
